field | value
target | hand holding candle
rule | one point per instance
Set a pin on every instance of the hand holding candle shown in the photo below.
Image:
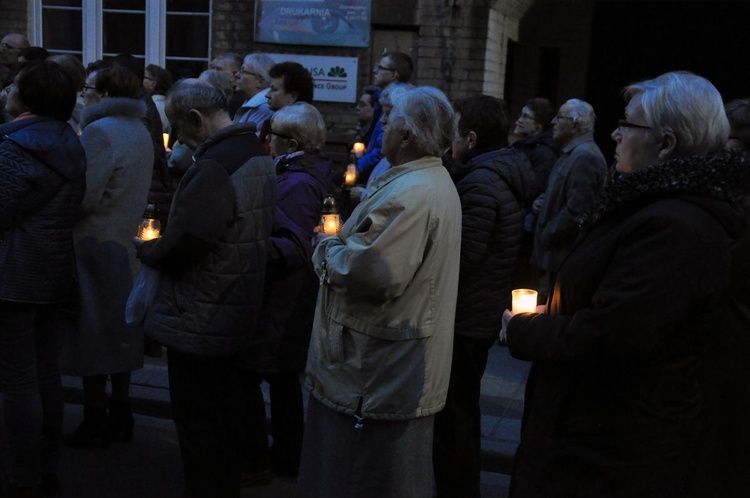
(350, 177)
(359, 149)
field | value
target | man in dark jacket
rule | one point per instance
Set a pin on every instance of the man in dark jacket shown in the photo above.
(493, 184)
(212, 260)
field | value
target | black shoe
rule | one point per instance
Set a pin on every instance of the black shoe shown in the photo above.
(121, 420)
(93, 431)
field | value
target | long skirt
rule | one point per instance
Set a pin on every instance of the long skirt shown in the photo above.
(378, 459)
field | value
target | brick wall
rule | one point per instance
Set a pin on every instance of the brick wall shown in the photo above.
(13, 17)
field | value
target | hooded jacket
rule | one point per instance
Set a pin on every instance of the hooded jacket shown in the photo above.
(42, 182)
(613, 397)
(493, 188)
(212, 256)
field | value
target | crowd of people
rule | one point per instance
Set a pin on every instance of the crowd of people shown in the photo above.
(638, 385)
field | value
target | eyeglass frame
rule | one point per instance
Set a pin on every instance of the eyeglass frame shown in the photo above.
(525, 115)
(280, 135)
(8, 46)
(621, 123)
(559, 116)
(249, 73)
(379, 68)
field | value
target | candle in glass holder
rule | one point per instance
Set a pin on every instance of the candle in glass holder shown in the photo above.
(359, 149)
(150, 227)
(331, 224)
(524, 301)
(350, 177)
(165, 137)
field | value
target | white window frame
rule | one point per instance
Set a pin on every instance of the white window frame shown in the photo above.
(93, 15)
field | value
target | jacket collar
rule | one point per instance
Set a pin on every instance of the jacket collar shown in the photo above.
(224, 133)
(724, 176)
(395, 172)
(113, 106)
(580, 139)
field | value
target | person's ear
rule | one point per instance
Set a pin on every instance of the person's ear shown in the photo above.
(668, 145)
(293, 145)
(471, 140)
(195, 118)
(406, 138)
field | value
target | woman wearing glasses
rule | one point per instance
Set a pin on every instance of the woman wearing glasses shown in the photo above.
(96, 342)
(614, 395)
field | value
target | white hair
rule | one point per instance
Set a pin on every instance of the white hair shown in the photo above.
(687, 106)
(303, 122)
(582, 113)
(426, 113)
(260, 64)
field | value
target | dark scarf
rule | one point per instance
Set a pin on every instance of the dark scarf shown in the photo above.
(724, 176)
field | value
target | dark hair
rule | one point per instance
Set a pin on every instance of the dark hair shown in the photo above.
(34, 54)
(72, 67)
(543, 111)
(296, 79)
(162, 79)
(487, 117)
(46, 90)
(131, 62)
(372, 91)
(402, 64)
(738, 114)
(118, 81)
(233, 57)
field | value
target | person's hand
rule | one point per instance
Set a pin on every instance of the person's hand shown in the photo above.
(356, 193)
(137, 241)
(503, 337)
(319, 236)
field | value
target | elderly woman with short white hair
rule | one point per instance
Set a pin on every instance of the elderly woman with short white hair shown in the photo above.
(253, 80)
(379, 359)
(614, 395)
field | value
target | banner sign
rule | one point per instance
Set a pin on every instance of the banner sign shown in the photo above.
(336, 23)
(335, 78)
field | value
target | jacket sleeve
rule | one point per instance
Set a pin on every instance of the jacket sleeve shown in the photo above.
(15, 185)
(542, 158)
(585, 181)
(383, 252)
(295, 217)
(645, 294)
(374, 154)
(479, 207)
(200, 213)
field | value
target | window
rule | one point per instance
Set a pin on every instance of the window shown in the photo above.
(170, 33)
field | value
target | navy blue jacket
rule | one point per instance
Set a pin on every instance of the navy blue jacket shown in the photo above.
(42, 182)
(283, 332)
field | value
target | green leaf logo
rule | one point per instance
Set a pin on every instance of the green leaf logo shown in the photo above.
(337, 72)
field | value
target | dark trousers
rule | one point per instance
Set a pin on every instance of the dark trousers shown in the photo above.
(206, 394)
(287, 422)
(32, 390)
(456, 448)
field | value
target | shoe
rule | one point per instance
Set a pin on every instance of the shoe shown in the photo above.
(251, 478)
(93, 431)
(50, 485)
(121, 420)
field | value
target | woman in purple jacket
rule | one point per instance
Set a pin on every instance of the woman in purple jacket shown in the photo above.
(279, 352)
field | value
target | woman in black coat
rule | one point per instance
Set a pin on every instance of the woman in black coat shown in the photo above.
(614, 397)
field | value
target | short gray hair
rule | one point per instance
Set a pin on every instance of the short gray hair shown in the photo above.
(387, 94)
(261, 64)
(687, 106)
(583, 114)
(303, 122)
(192, 93)
(426, 113)
(217, 79)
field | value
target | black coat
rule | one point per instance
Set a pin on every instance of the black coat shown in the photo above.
(492, 187)
(613, 398)
(542, 151)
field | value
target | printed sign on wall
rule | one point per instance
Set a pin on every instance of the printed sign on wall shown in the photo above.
(335, 78)
(337, 23)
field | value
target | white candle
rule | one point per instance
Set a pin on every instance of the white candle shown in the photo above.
(359, 149)
(165, 137)
(331, 224)
(524, 301)
(350, 178)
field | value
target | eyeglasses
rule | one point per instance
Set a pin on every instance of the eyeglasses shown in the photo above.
(280, 135)
(525, 115)
(560, 116)
(249, 73)
(148, 78)
(86, 87)
(8, 46)
(621, 123)
(379, 68)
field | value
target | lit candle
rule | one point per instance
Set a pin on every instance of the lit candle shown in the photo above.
(359, 149)
(165, 137)
(331, 224)
(524, 301)
(350, 178)
(149, 228)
